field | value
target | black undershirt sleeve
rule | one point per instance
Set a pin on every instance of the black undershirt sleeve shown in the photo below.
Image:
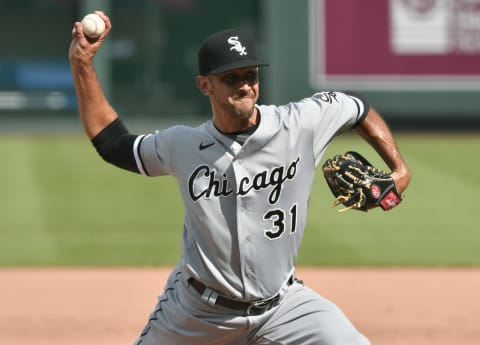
(366, 106)
(115, 145)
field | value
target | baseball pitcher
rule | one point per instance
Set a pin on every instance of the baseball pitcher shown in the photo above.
(245, 177)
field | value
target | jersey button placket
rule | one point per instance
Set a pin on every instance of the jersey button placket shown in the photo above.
(248, 269)
(248, 248)
(244, 237)
(248, 266)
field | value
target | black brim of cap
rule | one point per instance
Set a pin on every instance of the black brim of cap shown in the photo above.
(237, 65)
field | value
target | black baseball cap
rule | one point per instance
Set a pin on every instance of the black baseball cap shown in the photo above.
(227, 50)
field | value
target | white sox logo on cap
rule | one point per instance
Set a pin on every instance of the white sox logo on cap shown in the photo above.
(237, 45)
(227, 50)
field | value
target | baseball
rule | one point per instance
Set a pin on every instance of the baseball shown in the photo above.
(93, 25)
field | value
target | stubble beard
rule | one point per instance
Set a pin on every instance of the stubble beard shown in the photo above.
(242, 111)
(244, 114)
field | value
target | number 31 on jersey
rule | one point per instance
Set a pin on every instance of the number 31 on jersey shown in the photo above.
(280, 222)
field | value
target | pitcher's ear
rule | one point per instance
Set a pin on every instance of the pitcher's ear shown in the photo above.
(203, 84)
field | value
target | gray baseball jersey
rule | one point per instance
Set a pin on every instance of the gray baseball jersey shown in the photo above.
(246, 205)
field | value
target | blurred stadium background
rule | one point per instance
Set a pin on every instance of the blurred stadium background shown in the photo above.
(417, 61)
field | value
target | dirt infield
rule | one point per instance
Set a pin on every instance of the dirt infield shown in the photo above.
(110, 306)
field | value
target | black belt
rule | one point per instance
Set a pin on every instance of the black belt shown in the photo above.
(249, 308)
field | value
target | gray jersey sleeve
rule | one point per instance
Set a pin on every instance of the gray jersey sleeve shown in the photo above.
(153, 152)
(329, 114)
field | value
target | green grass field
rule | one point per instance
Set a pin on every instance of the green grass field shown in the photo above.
(62, 205)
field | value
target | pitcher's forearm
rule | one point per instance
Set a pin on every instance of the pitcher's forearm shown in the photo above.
(376, 132)
(95, 111)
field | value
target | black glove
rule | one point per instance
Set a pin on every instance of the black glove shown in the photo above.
(358, 185)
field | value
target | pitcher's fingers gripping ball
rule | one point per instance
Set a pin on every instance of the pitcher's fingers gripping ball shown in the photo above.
(93, 26)
(358, 185)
